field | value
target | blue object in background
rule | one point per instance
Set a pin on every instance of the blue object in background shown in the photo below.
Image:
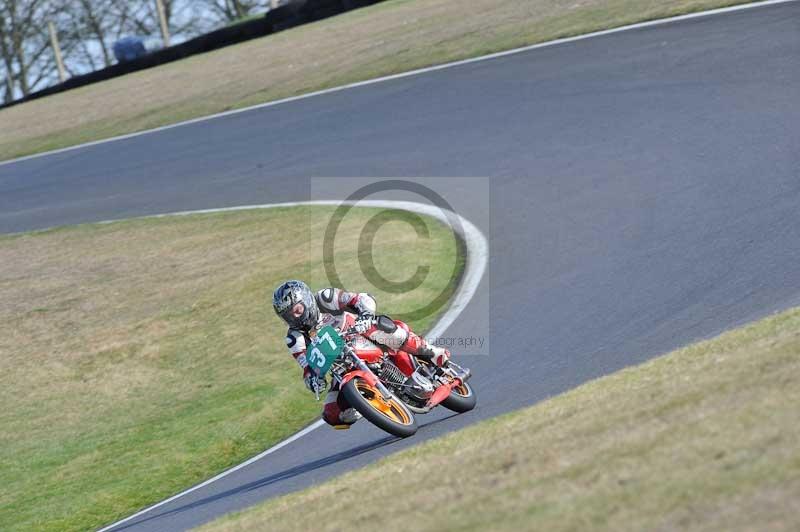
(129, 48)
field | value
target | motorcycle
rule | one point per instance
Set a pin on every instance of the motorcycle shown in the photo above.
(374, 385)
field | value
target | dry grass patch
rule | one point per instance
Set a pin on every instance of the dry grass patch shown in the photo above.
(140, 357)
(704, 438)
(395, 36)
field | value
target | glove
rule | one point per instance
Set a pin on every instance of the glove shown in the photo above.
(363, 323)
(314, 383)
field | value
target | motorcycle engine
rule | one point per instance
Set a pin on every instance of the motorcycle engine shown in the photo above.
(417, 385)
(421, 386)
(390, 373)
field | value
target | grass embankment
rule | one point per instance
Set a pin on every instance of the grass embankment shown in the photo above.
(138, 358)
(705, 438)
(391, 37)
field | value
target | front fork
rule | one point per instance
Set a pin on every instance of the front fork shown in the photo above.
(386, 394)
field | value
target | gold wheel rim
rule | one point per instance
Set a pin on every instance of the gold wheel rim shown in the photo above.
(462, 390)
(392, 408)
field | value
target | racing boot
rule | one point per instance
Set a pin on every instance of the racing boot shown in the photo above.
(337, 413)
(417, 346)
(439, 356)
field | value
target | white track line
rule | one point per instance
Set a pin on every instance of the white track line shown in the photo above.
(476, 261)
(412, 73)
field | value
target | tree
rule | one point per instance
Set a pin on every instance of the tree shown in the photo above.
(230, 10)
(183, 18)
(87, 30)
(94, 25)
(27, 60)
(96, 18)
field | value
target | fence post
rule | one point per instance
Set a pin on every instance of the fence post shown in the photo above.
(162, 19)
(62, 73)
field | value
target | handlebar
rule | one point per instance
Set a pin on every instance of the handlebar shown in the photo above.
(352, 330)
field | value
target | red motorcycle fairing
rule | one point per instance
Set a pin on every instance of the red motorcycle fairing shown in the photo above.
(367, 351)
(367, 376)
(443, 392)
(403, 361)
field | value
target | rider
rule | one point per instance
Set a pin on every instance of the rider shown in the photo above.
(303, 310)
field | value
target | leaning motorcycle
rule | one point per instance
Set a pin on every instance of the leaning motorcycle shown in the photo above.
(377, 388)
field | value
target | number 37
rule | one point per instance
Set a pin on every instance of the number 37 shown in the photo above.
(317, 357)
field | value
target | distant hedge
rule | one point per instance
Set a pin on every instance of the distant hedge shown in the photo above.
(295, 13)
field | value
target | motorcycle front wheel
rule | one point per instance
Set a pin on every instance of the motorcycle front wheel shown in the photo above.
(391, 415)
(461, 399)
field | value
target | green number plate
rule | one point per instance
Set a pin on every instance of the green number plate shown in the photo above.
(325, 348)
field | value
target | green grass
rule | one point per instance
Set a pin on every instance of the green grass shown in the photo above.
(138, 358)
(387, 38)
(705, 438)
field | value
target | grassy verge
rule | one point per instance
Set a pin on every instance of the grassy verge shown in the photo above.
(705, 438)
(387, 38)
(140, 357)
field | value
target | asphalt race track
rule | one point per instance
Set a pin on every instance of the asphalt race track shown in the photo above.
(645, 192)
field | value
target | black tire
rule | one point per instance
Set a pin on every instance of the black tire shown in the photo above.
(356, 392)
(460, 402)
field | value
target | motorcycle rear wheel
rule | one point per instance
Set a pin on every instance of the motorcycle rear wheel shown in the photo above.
(393, 415)
(461, 399)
